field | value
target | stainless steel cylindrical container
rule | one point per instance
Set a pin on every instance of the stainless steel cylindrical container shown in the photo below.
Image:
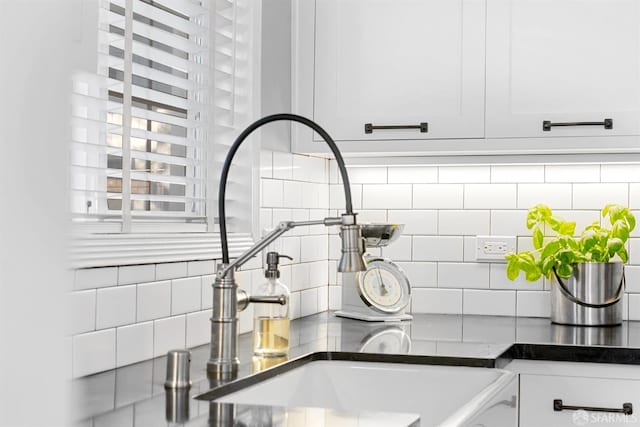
(178, 365)
(590, 297)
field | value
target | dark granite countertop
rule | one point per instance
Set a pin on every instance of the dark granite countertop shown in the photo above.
(135, 396)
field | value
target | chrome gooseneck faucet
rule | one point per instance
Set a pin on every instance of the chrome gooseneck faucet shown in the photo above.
(228, 299)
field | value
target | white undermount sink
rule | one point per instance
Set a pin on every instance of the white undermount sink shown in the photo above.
(441, 395)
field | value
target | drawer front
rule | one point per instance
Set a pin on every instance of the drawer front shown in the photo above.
(538, 392)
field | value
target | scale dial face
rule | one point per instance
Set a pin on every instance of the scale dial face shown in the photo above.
(384, 286)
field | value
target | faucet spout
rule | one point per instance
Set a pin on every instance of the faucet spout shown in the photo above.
(223, 362)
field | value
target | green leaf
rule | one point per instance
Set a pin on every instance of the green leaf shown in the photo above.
(538, 238)
(567, 228)
(550, 249)
(620, 230)
(565, 270)
(513, 271)
(622, 253)
(614, 245)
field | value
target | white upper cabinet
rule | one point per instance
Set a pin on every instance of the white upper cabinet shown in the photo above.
(573, 64)
(413, 63)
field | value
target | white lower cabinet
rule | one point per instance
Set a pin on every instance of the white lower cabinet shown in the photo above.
(547, 388)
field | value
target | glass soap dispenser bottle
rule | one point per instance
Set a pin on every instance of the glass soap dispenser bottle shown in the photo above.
(271, 320)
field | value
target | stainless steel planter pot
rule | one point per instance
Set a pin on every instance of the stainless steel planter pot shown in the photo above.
(591, 297)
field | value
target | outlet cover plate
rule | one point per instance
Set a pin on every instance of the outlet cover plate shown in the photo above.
(494, 248)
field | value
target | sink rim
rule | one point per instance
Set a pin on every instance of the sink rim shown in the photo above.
(406, 359)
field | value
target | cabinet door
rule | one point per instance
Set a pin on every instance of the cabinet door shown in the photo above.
(399, 62)
(562, 61)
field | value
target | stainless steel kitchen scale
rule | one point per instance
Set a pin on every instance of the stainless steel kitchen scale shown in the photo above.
(382, 292)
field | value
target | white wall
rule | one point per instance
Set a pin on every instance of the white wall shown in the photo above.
(445, 207)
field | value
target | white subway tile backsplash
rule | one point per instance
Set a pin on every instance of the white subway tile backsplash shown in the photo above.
(335, 297)
(200, 268)
(439, 301)
(131, 274)
(596, 196)
(632, 277)
(307, 168)
(620, 173)
(292, 196)
(533, 304)
(464, 174)
(135, 343)
(171, 270)
(323, 298)
(115, 306)
(168, 334)
(490, 196)
(469, 248)
(207, 291)
(94, 352)
(634, 251)
(299, 276)
(400, 250)
(314, 248)
(440, 248)
(509, 223)
(295, 305)
(154, 300)
(308, 302)
(186, 295)
(272, 193)
(415, 221)
(367, 175)
(319, 273)
(369, 215)
(82, 309)
(198, 328)
(336, 196)
(282, 165)
(517, 173)
(266, 164)
(438, 196)
(489, 302)
(389, 196)
(634, 306)
(467, 222)
(556, 196)
(463, 275)
(412, 175)
(634, 196)
(572, 173)
(499, 280)
(421, 274)
(88, 278)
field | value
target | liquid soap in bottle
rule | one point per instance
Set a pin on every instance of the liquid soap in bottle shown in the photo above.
(271, 321)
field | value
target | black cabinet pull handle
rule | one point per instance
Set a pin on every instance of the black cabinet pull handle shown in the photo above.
(369, 128)
(627, 408)
(607, 123)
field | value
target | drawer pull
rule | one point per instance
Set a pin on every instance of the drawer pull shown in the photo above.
(627, 408)
(369, 128)
(607, 123)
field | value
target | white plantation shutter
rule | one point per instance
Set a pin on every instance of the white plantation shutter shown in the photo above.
(235, 105)
(151, 127)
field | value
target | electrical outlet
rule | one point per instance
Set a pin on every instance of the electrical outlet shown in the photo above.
(494, 248)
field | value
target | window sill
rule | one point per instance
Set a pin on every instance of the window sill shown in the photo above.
(104, 250)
